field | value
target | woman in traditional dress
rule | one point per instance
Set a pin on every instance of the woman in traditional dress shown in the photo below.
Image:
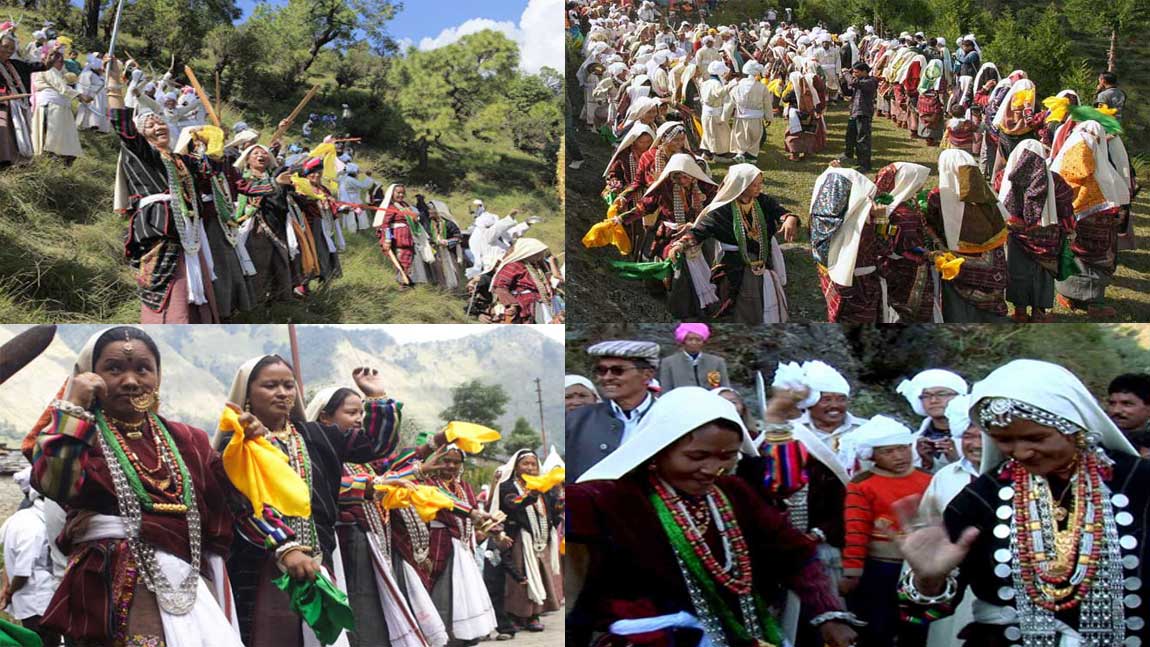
(908, 79)
(15, 114)
(1049, 538)
(1041, 208)
(621, 174)
(535, 554)
(399, 235)
(967, 219)
(675, 199)
(447, 269)
(660, 541)
(262, 211)
(803, 112)
(931, 91)
(750, 273)
(149, 506)
(1017, 119)
(166, 237)
(911, 280)
(94, 115)
(670, 140)
(457, 583)
(1100, 192)
(846, 247)
(521, 284)
(53, 124)
(390, 610)
(265, 388)
(315, 204)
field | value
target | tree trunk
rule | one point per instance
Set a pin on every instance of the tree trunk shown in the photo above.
(423, 146)
(1112, 56)
(91, 18)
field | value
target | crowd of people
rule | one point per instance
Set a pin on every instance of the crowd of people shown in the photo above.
(1005, 512)
(219, 223)
(141, 530)
(1033, 195)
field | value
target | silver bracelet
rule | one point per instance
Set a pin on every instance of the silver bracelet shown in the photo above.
(818, 532)
(837, 616)
(907, 587)
(73, 409)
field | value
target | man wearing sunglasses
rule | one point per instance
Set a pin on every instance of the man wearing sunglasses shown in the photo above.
(928, 394)
(622, 371)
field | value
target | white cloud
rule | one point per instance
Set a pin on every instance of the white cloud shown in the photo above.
(404, 43)
(539, 34)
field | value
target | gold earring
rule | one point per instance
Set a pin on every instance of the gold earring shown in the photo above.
(145, 401)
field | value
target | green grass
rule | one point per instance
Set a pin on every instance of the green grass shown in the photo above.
(599, 296)
(60, 243)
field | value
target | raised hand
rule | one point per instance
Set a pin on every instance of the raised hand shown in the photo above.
(84, 389)
(927, 548)
(369, 382)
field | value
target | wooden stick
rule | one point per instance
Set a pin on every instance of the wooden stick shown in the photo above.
(13, 97)
(219, 95)
(295, 113)
(202, 95)
(349, 139)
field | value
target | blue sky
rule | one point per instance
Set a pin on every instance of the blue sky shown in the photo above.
(426, 18)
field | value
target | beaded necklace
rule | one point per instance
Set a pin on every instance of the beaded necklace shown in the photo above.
(537, 520)
(132, 499)
(129, 463)
(757, 229)
(187, 224)
(296, 450)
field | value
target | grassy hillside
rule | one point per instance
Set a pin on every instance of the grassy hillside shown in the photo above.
(61, 244)
(599, 296)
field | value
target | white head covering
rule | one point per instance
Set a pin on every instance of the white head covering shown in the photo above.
(1049, 209)
(553, 460)
(974, 42)
(321, 400)
(738, 178)
(640, 106)
(242, 162)
(507, 473)
(578, 380)
(958, 417)
(680, 163)
(844, 244)
(23, 479)
(94, 61)
(718, 68)
(244, 136)
(382, 212)
(933, 377)
(823, 378)
(636, 130)
(1051, 388)
(879, 431)
(981, 70)
(1114, 188)
(905, 70)
(953, 208)
(442, 209)
(523, 248)
(238, 394)
(752, 68)
(1015, 88)
(677, 413)
(908, 179)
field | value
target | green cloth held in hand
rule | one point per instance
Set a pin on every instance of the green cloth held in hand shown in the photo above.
(654, 270)
(322, 606)
(13, 635)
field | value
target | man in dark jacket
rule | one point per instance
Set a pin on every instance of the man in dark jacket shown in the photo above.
(862, 89)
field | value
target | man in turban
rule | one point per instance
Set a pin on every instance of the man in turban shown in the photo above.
(692, 367)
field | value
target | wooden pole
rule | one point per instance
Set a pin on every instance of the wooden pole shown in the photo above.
(295, 113)
(219, 96)
(202, 95)
(295, 360)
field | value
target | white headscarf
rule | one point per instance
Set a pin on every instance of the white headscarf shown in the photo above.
(523, 248)
(640, 106)
(958, 417)
(242, 160)
(507, 473)
(981, 69)
(1049, 209)
(879, 431)
(1004, 106)
(953, 208)
(718, 68)
(625, 144)
(738, 178)
(320, 400)
(844, 244)
(974, 42)
(680, 163)
(908, 179)
(933, 377)
(382, 212)
(673, 416)
(1053, 389)
(238, 394)
(905, 71)
(1115, 189)
(578, 380)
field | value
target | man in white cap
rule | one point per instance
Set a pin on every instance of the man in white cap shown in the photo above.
(928, 394)
(715, 97)
(623, 370)
(828, 418)
(752, 105)
(27, 563)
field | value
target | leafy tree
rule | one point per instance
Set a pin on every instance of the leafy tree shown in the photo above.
(1115, 19)
(522, 437)
(474, 401)
(1039, 45)
(175, 27)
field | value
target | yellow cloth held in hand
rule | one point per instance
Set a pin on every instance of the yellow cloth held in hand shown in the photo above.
(263, 473)
(469, 436)
(425, 499)
(1058, 107)
(545, 482)
(608, 232)
(1022, 98)
(1107, 110)
(330, 164)
(948, 265)
(214, 138)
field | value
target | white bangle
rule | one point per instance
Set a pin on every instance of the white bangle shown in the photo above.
(908, 589)
(837, 616)
(73, 409)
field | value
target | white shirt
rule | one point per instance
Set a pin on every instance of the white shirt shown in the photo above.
(834, 439)
(630, 419)
(945, 485)
(26, 555)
